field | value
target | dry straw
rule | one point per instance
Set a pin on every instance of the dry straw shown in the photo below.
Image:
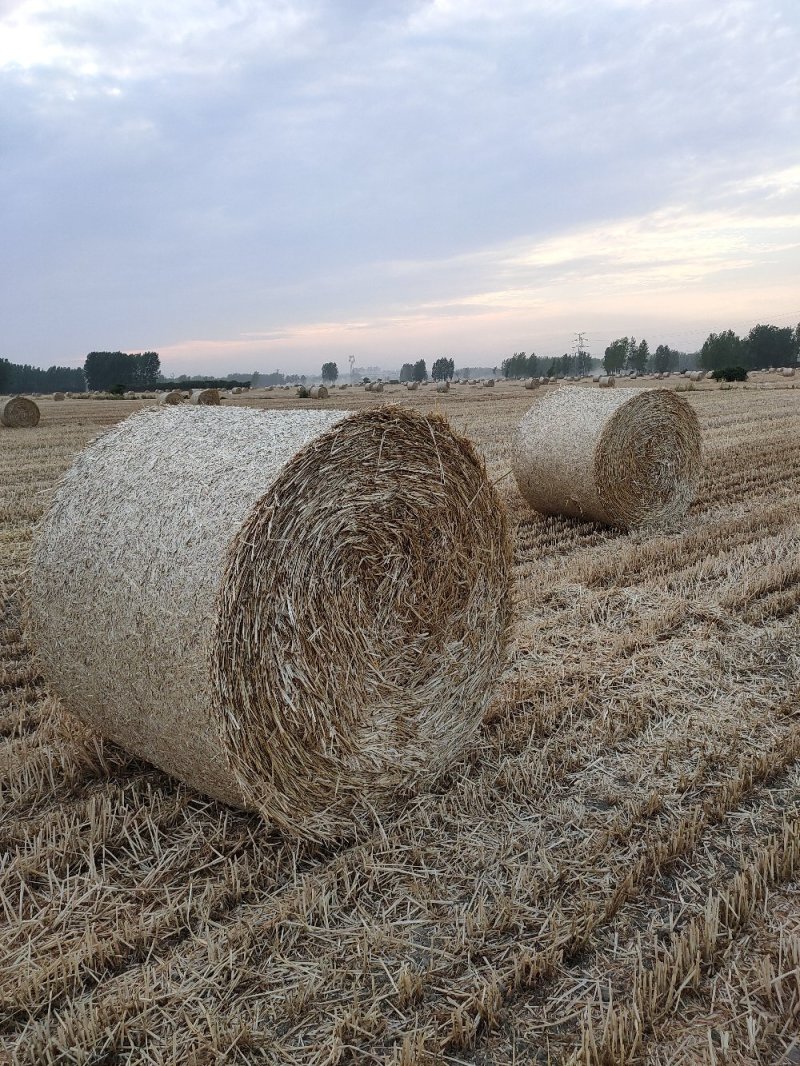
(318, 392)
(19, 413)
(59, 396)
(171, 399)
(607, 382)
(628, 458)
(317, 621)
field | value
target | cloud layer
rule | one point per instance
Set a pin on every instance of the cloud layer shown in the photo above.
(280, 182)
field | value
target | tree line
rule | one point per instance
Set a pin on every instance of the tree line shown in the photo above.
(21, 377)
(106, 371)
(764, 346)
(520, 365)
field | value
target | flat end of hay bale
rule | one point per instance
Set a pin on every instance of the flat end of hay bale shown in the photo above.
(20, 413)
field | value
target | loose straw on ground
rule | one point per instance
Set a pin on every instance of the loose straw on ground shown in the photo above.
(626, 457)
(19, 413)
(321, 618)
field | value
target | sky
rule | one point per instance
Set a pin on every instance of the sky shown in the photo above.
(271, 184)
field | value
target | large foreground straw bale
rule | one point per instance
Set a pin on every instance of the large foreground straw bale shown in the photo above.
(20, 413)
(295, 612)
(627, 458)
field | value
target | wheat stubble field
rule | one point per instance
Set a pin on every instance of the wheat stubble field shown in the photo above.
(611, 877)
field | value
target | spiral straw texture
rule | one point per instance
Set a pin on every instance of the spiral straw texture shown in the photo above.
(295, 612)
(627, 457)
(19, 413)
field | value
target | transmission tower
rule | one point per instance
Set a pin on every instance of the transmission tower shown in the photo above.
(352, 361)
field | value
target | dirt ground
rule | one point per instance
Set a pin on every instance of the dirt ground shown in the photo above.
(610, 876)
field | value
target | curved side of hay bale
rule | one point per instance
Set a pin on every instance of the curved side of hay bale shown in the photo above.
(532, 383)
(20, 413)
(299, 643)
(171, 399)
(59, 396)
(318, 392)
(205, 397)
(607, 381)
(489, 383)
(442, 387)
(788, 372)
(412, 386)
(628, 458)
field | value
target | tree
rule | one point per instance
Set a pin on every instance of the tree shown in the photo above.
(722, 349)
(442, 369)
(664, 359)
(330, 372)
(5, 374)
(520, 365)
(407, 372)
(638, 354)
(771, 346)
(420, 371)
(615, 355)
(105, 370)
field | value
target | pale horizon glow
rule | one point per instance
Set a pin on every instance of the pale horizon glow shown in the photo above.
(260, 186)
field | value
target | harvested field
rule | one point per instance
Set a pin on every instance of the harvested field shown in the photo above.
(611, 876)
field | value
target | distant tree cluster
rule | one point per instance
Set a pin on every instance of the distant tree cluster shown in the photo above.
(330, 372)
(764, 346)
(442, 369)
(414, 371)
(106, 370)
(21, 377)
(520, 365)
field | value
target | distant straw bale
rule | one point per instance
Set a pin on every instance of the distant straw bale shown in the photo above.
(20, 413)
(205, 397)
(442, 386)
(788, 372)
(489, 383)
(607, 381)
(531, 383)
(318, 392)
(171, 399)
(628, 458)
(59, 396)
(412, 386)
(299, 642)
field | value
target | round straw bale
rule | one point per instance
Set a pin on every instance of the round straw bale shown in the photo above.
(489, 383)
(788, 372)
(299, 642)
(412, 386)
(628, 458)
(596, 378)
(19, 413)
(377, 386)
(172, 398)
(318, 392)
(607, 382)
(442, 387)
(532, 383)
(59, 396)
(205, 397)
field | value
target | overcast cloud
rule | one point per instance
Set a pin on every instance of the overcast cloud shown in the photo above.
(251, 185)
